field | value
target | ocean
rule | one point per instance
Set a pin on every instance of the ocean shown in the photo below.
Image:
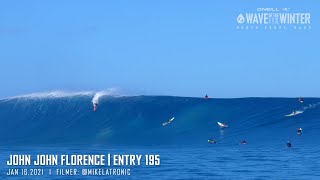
(50, 124)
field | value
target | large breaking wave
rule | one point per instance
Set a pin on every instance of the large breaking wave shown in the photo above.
(137, 120)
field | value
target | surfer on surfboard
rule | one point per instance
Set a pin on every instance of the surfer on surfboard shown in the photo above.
(299, 131)
(243, 142)
(95, 107)
(168, 122)
(222, 125)
(206, 97)
(294, 111)
(301, 99)
(212, 141)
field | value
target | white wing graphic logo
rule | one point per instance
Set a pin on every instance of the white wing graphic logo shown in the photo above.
(240, 19)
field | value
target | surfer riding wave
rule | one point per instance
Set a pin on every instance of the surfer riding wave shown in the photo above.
(95, 100)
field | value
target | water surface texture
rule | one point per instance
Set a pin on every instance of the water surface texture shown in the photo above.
(133, 125)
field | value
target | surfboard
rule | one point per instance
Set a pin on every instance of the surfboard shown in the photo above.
(222, 125)
(293, 114)
(166, 123)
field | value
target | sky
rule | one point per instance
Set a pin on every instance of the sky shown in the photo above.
(178, 48)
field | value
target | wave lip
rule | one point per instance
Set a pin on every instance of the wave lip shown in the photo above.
(108, 92)
(62, 94)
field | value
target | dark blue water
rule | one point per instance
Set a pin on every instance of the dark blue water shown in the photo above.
(133, 125)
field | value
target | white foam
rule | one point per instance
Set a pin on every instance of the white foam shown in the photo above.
(52, 94)
(108, 92)
(294, 113)
(311, 106)
(62, 94)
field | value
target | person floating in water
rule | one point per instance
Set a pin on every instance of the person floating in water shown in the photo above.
(95, 107)
(299, 131)
(301, 99)
(289, 144)
(206, 97)
(243, 142)
(212, 141)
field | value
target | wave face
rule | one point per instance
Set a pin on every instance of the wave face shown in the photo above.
(137, 121)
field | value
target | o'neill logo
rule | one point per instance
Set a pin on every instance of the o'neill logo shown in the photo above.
(273, 19)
